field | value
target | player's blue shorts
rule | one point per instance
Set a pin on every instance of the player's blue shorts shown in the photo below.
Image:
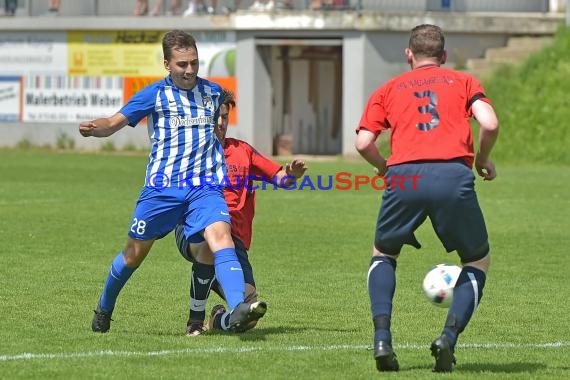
(159, 210)
(183, 244)
(445, 193)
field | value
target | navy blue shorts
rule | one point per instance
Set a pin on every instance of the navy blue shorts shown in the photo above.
(159, 210)
(183, 244)
(444, 191)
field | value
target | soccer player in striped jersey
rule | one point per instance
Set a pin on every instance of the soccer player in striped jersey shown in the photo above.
(428, 110)
(185, 169)
(245, 165)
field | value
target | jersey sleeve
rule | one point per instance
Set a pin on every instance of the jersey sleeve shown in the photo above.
(475, 92)
(140, 105)
(262, 166)
(374, 117)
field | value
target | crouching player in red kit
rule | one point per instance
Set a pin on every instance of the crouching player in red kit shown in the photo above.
(244, 165)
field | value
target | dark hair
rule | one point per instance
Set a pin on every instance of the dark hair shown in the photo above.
(229, 98)
(176, 39)
(427, 41)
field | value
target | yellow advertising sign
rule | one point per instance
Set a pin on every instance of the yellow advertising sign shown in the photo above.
(121, 53)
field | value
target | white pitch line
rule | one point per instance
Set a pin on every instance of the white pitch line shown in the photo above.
(405, 346)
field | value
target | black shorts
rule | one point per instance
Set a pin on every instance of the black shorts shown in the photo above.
(183, 243)
(444, 191)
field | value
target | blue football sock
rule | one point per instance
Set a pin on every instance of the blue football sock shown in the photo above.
(201, 282)
(116, 279)
(230, 276)
(381, 287)
(467, 294)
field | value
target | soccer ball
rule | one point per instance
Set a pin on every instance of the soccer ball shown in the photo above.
(439, 282)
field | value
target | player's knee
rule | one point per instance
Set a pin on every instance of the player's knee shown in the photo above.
(190, 247)
(200, 253)
(135, 252)
(393, 244)
(473, 257)
(377, 253)
(132, 260)
(218, 235)
(383, 249)
(482, 264)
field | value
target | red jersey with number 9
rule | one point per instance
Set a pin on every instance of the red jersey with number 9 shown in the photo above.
(428, 110)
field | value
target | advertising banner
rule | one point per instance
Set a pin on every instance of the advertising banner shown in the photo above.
(59, 98)
(124, 53)
(10, 92)
(80, 75)
(22, 53)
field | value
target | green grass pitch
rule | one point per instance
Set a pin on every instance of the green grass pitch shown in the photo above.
(64, 216)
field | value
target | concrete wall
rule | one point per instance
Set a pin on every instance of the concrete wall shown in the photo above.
(369, 59)
(53, 135)
(254, 91)
(372, 46)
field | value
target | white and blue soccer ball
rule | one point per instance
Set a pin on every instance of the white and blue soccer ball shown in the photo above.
(439, 283)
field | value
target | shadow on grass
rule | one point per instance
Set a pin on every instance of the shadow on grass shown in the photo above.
(491, 367)
(254, 334)
(260, 333)
(502, 367)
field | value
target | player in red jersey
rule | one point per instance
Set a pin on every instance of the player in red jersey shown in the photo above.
(244, 166)
(428, 111)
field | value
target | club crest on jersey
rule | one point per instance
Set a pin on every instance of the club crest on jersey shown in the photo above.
(208, 102)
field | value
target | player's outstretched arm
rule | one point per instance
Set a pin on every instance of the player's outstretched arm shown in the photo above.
(103, 127)
(292, 172)
(489, 125)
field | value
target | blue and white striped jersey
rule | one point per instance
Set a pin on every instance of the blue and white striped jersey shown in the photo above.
(185, 150)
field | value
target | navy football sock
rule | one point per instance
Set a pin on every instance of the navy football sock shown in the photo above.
(200, 284)
(118, 276)
(230, 276)
(467, 294)
(381, 287)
